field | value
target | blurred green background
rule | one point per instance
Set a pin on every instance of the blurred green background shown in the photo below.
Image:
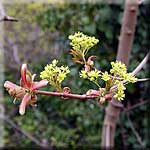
(42, 35)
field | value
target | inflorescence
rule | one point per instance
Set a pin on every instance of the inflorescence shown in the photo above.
(115, 79)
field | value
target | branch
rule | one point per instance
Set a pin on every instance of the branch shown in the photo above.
(124, 49)
(122, 132)
(135, 132)
(29, 136)
(141, 1)
(142, 80)
(8, 18)
(5, 17)
(140, 66)
(136, 105)
(65, 95)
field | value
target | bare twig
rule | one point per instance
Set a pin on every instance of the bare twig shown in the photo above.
(141, 1)
(8, 18)
(122, 132)
(139, 139)
(64, 95)
(5, 17)
(142, 80)
(29, 136)
(141, 65)
(136, 105)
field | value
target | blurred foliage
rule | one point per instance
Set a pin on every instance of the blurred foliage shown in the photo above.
(71, 122)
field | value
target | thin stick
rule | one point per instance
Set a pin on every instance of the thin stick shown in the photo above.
(142, 80)
(29, 136)
(136, 105)
(140, 66)
(65, 95)
(135, 132)
(5, 17)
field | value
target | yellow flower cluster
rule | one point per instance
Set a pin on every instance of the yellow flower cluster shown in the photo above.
(119, 73)
(54, 74)
(106, 76)
(91, 75)
(120, 70)
(120, 91)
(82, 42)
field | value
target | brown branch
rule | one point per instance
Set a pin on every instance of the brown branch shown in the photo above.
(136, 105)
(141, 65)
(65, 95)
(141, 1)
(29, 136)
(5, 17)
(143, 80)
(139, 139)
(122, 132)
(124, 49)
(8, 18)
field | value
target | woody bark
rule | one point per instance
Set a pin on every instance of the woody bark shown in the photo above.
(126, 38)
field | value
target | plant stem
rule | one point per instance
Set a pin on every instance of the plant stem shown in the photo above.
(65, 95)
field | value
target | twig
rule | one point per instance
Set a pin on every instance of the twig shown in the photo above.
(122, 131)
(64, 95)
(8, 18)
(135, 132)
(29, 136)
(142, 80)
(5, 17)
(141, 1)
(140, 66)
(136, 105)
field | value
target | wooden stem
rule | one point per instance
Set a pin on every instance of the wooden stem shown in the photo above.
(124, 49)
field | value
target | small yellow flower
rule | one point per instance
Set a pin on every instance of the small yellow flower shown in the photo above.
(106, 76)
(83, 74)
(130, 77)
(118, 68)
(54, 74)
(82, 42)
(94, 73)
(120, 91)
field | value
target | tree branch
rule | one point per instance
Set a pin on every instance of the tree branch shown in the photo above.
(136, 105)
(4, 17)
(139, 139)
(143, 80)
(124, 49)
(140, 66)
(64, 95)
(29, 136)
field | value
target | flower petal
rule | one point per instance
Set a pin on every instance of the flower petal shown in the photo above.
(26, 76)
(39, 84)
(23, 104)
(9, 85)
(23, 74)
(33, 76)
